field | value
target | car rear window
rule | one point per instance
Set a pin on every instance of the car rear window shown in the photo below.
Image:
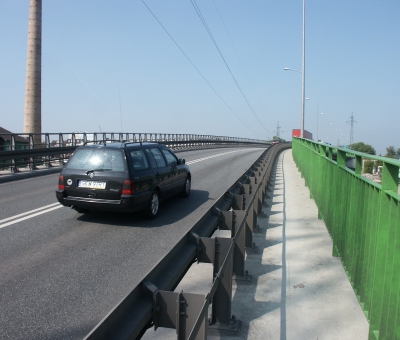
(104, 159)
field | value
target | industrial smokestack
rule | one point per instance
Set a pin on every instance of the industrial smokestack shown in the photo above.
(33, 83)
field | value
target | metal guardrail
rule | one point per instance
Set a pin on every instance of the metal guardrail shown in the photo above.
(153, 303)
(21, 150)
(363, 219)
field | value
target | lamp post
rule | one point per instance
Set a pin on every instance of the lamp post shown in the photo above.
(303, 71)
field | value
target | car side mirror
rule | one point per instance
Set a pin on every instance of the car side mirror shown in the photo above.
(181, 161)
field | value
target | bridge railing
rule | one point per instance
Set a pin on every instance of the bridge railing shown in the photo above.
(20, 150)
(363, 219)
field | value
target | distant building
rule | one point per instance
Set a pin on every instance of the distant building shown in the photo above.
(5, 141)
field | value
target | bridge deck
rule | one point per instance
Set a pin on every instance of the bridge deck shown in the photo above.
(299, 290)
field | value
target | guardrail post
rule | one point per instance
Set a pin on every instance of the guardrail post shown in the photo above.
(185, 312)
(222, 322)
(251, 224)
(250, 207)
(181, 311)
(47, 144)
(32, 165)
(218, 252)
(242, 202)
(13, 165)
(261, 190)
(254, 184)
(234, 220)
(61, 144)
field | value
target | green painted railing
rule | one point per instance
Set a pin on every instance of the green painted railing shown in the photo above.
(363, 219)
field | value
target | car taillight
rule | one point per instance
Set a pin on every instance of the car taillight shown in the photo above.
(61, 183)
(128, 188)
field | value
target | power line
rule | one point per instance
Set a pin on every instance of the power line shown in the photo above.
(197, 9)
(198, 71)
(237, 54)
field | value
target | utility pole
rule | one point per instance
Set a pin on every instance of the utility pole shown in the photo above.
(278, 129)
(33, 82)
(351, 121)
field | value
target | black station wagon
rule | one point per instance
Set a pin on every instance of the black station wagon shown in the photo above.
(120, 176)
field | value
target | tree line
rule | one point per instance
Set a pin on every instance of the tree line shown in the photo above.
(369, 165)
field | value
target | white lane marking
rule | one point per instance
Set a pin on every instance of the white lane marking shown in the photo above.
(55, 206)
(30, 216)
(28, 212)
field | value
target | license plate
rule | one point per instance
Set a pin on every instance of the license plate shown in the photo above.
(91, 184)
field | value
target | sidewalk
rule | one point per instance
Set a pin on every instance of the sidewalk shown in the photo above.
(299, 290)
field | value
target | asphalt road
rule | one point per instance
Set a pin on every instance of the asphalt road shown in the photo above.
(61, 272)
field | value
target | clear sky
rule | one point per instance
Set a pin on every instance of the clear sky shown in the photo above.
(110, 65)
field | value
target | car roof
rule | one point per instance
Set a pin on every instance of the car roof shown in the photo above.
(117, 145)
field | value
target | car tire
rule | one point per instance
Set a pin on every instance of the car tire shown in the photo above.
(154, 205)
(187, 187)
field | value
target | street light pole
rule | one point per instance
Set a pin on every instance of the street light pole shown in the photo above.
(303, 70)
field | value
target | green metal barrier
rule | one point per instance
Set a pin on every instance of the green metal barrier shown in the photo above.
(363, 219)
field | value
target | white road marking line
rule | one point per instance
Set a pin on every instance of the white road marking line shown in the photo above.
(30, 216)
(28, 212)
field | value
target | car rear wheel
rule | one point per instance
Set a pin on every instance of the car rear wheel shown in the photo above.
(154, 204)
(187, 187)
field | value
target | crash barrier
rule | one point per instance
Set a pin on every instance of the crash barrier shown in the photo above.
(22, 150)
(153, 302)
(363, 219)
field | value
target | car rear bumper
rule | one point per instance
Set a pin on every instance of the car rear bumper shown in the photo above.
(128, 203)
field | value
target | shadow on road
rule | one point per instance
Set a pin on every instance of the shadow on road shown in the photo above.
(171, 211)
